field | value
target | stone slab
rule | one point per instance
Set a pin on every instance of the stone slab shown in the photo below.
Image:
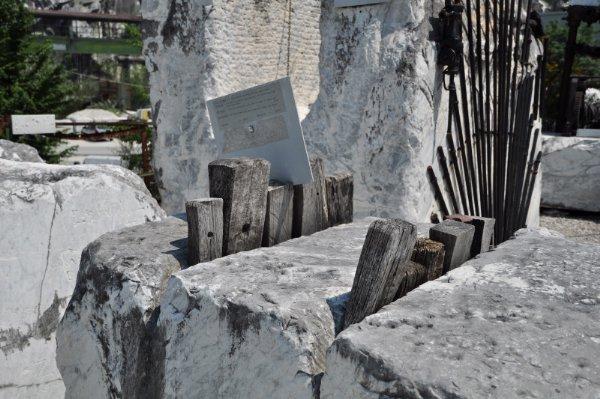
(18, 152)
(521, 321)
(571, 167)
(105, 338)
(261, 321)
(48, 214)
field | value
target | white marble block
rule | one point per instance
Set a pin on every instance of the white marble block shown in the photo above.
(48, 214)
(571, 167)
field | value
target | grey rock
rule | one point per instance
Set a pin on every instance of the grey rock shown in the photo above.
(571, 179)
(521, 321)
(258, 322)
(18, 152)
(48, 214)
(105, 341)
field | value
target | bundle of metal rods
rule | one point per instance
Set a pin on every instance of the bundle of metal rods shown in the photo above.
(491, 139)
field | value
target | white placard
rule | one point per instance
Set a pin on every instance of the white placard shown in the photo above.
(33, 124)
(262, 122)
(356, 3)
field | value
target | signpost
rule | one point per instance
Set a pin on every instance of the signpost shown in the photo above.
(33, 124)
(262, 122)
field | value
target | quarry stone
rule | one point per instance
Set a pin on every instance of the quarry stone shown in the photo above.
(105, 338)
(48, 214)
(195, 53)
(18, 152)
(571, 167)
(521, 321)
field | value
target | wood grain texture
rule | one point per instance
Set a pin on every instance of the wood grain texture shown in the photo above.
(340, 196)
(280, 214)
(413, 275)
(242, 184)
(310, 203)
(430, 254)
(382, 266)
(484, 232)
(205, 229)
(457, 238)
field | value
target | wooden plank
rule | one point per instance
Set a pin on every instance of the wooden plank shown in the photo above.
(205, 229)
(457, 238)
(242, 184)
(340, 193)
(280, 213)
(430, 254)
(381, 267)
(310, 203)
(484, 232)
(414, 274)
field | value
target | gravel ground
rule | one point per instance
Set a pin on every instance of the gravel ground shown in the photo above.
(579, 226)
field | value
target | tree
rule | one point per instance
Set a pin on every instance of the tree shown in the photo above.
(557, 35)
(31, 82)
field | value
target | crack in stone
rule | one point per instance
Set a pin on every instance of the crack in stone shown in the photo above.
(49, 248)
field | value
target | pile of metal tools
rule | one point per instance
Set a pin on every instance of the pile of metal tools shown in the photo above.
(491, 139)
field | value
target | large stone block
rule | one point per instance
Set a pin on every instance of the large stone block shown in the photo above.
(520, 321)
(255, 324)
(379, 104)
(195, 53)
(18, 152)
(571, 167)
(48, 214)
(106, 339)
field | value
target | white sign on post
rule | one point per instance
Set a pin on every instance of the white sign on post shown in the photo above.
(355, 3)
(33, 124)
(262, 122)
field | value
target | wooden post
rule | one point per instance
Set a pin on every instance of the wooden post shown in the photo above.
(279, 216)
(340, 192)
(242, 184)
(457, 238)
(484, 232)
(381, 267)
(205, 229)
(413, 276)
(430, 254)
(310, 203)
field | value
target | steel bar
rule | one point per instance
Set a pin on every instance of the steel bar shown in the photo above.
(447, 179)
(437, 191)
(457, 175)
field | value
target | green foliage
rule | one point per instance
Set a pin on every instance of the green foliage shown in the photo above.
(557, 34)
(31, 82)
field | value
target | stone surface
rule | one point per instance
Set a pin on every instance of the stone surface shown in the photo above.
(255, 324)
(48, 214)
(571, 167)
(195, 53)
(380, 108)
(259, 321)
(18, 152)
(105, 338)
(379, 104)
(521, 321)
